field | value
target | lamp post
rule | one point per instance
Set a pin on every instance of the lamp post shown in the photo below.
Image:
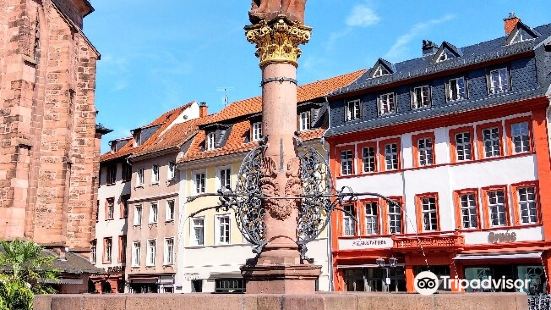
(392, 264)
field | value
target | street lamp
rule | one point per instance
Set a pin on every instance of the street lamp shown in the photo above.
(392, 262)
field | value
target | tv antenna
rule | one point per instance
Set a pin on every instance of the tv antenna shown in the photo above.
(226, 90)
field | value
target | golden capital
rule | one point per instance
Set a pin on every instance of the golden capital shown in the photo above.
(278, 40)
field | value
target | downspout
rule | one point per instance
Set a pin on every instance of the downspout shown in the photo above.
(330, 234)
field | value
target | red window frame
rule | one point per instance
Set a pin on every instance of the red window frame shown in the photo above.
(509, 137)
(453, 146)
(516, 203)
(485, 205)
(419, 211)
(480, 138)
(382, 162)
(360, 163)
(104, 256)
(122, 249)
(339, 159)
(109, 201)
(458, 214)
(400, 201)
(415, 140)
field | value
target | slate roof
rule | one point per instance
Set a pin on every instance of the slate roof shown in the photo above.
(75, 264)
(473, 54)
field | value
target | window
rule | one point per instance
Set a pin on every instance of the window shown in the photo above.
(153, 213)
(138, 215)
(93, 250)
(391, 156)
(111, 174)
(224, 177)
(443, 56)
(110, 209)
(369, 159)
(199, 183)
(140, 179)
(107, 250)
(124, 206)
(151, 252)
(428, 207)
(223, 232)
(468, 210)
(462, 144)
(349, 221)
(456, 89)
(423, 149)
(347, 165)
(305, 121)
(394, 218)
(198, 231)
(496, 208)
(257, 131)
(421, 97)
(126, 172)
(169, 252)
(169, 214)
(211, 141)
(387, 104)
(372, 218)
(499, 81)
(136, 254)
(380, 71)
(155, 174)
(229, 286)
(171, 170)
(527, 204)
(352, 110)
(122, 249)
(489, 136)
(518, 132)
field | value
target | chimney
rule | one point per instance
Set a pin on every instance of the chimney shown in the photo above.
(429, 47)
(203, 109)
(510, 22)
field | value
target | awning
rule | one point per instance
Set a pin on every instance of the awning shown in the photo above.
(225, 275)
(531, 255)
(143, 280)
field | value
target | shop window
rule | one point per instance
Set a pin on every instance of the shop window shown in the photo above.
(196, 286)
(229, 286)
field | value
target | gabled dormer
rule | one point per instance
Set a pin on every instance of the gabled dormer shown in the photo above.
(215, 136)
(521, 33)
(382, 67)
(445, 52)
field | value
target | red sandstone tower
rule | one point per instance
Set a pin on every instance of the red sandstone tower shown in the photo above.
(49, 139)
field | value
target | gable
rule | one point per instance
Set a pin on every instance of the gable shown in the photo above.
(445, 52)
(521, 33)
(382, 67)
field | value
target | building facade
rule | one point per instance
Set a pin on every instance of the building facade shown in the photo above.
(459, 139)
(213, 247)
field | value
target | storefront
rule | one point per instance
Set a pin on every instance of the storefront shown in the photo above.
(143, 284)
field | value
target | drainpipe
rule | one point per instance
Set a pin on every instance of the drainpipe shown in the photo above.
(330, 235)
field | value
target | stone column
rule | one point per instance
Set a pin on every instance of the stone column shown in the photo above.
(278, 268)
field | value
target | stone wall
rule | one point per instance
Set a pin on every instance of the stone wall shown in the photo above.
(474, 301)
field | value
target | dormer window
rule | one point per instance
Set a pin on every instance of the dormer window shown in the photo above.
(305, 121)
(380, 71)
(211, 141)
(521, 33)
(352, 110)
(499, 81)
(257, 131)
(137, 138)
(443, 57)
(387, 104)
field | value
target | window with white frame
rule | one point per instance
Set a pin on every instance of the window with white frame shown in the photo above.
(153, 213)
(496, 206)
(107, 250)
(430, 213)
(352, 110)
(492, 142)
(151, 252)
(421, 97)
(224, 178)
(443, 56)
(171, 170)
(347, 158)
(140, 180)
(369, 159)
(424, 149)
(499, 81)
(199, 182)
(136, 249)
(456, 89)
(387, 104)
(394, 218)
(380, 71)
(372, 218)
(257, 131)
(169, 214)
(469, 210)
(198, 231)
(520, 136)
(349, 220)
(93, 250)
(211, 141)
(305, 121)
(155, 174)
(391, 156)
(138, 215)
(223, 229)
(168, 257)
(463, 146)
(528, 205)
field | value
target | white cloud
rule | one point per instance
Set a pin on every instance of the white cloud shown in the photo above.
(362, 16)
(399, 49)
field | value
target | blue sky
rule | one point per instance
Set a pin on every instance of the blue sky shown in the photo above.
(157, 55)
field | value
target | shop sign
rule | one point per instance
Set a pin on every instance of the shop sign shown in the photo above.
(374, 243)
(502, 237)
(115, 269)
